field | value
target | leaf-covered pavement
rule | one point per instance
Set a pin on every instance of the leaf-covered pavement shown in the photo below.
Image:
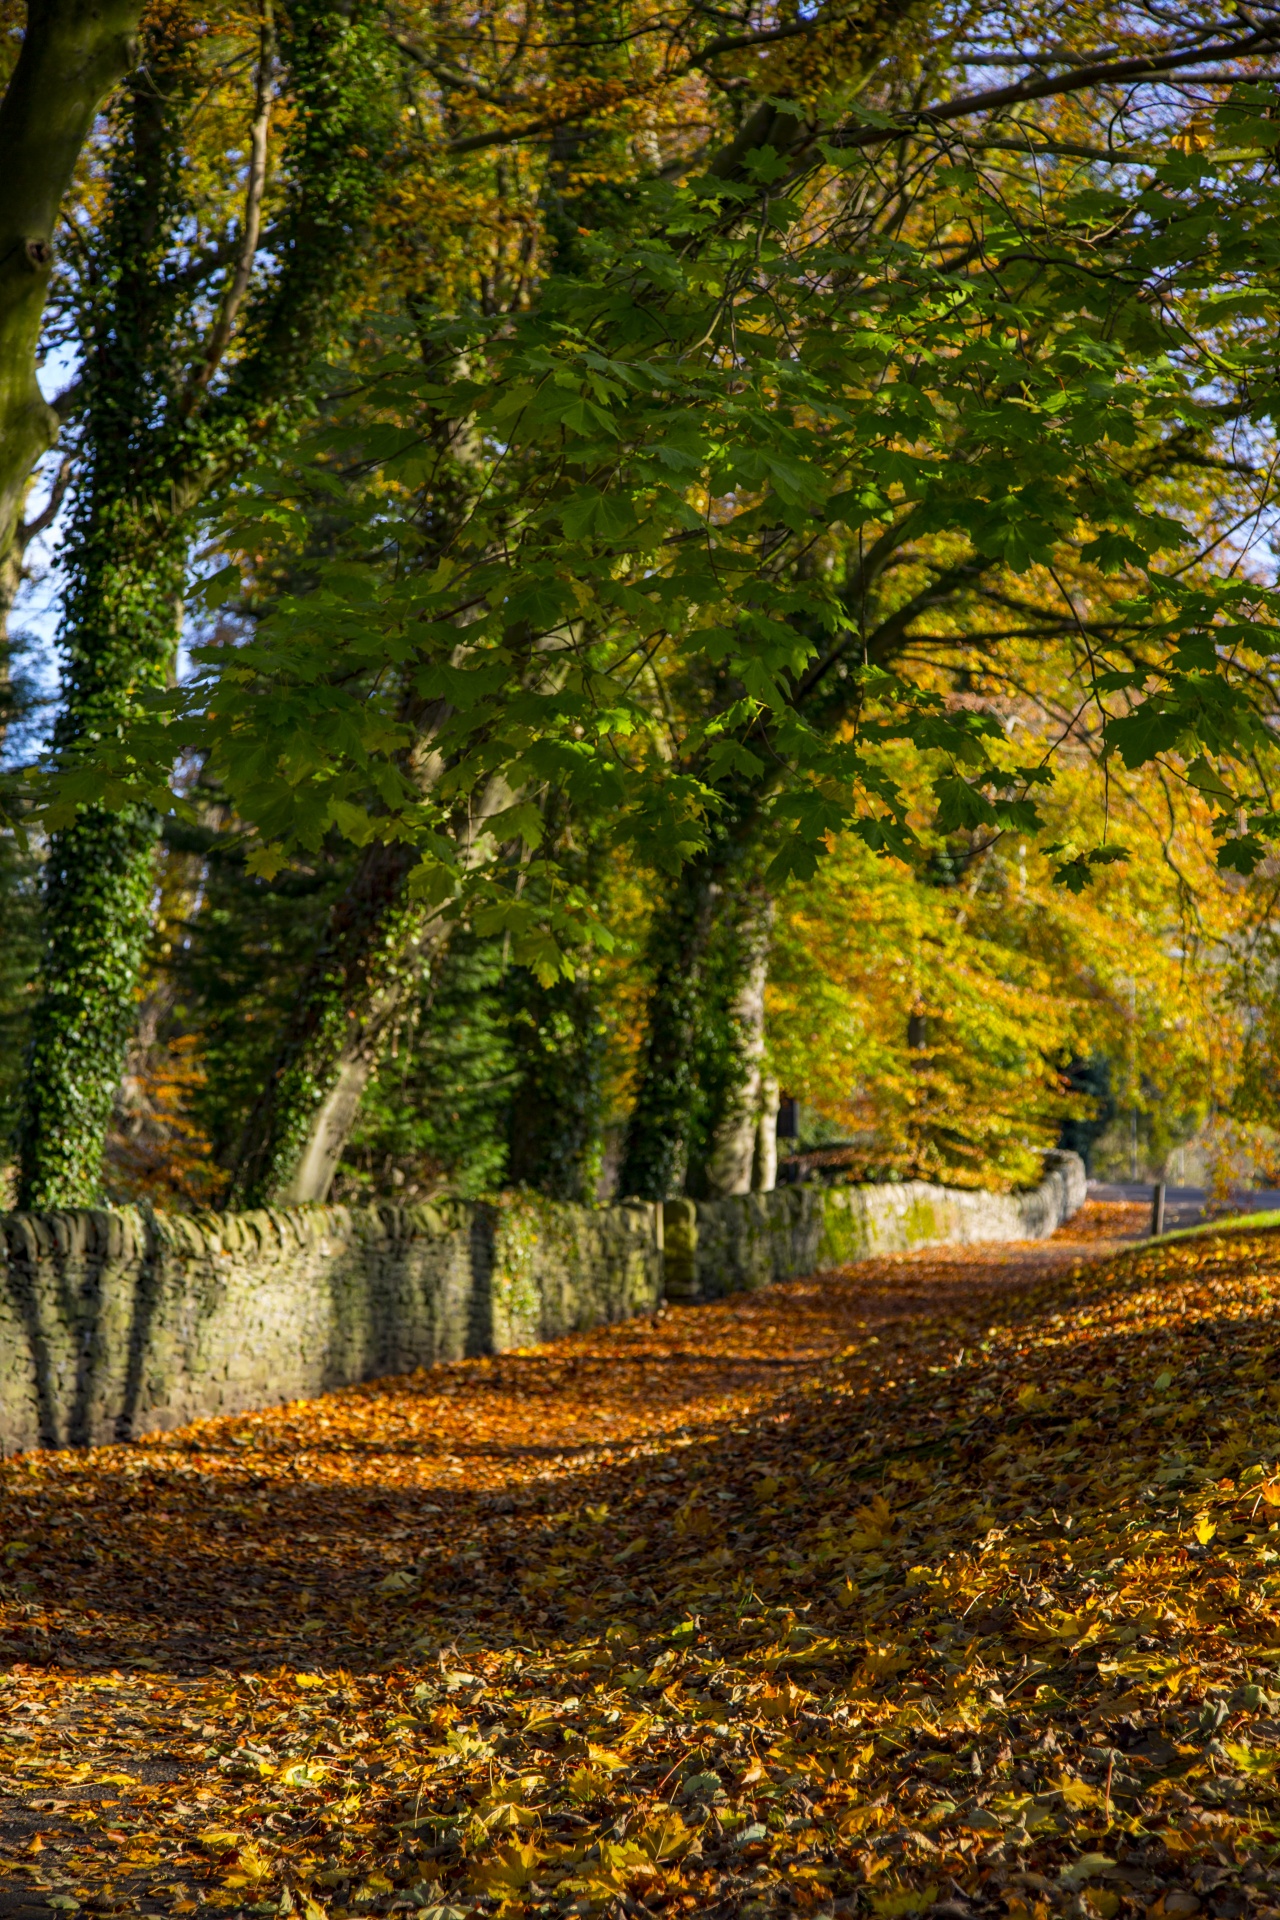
(950, 1583)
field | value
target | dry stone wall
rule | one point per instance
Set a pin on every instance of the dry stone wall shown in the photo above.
(114, 1324)
(716, 1247)
(119, 1323)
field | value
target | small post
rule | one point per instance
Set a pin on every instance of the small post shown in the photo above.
(660, 1246)
(1157, 1209)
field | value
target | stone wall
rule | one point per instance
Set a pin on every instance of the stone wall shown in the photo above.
(716, 1247)
(119, 1323)
(115, 1324)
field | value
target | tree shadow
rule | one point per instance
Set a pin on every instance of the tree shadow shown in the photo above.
(193, 1550)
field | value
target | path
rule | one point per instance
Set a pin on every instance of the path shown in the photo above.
(827, 1598)
(1185, 1206)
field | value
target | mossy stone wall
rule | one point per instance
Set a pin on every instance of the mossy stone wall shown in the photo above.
(716, 1247)
(121, 1323)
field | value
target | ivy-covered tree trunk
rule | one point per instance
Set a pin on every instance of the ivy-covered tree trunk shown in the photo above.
(119, 634)
(705, 1103)
(376, 945)
(707, 956)
(655, 1156)
(162, 421)
(372, 955)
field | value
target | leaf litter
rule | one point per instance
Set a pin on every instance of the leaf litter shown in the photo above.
(948, 1584)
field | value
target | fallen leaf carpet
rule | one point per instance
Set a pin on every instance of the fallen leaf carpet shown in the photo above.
(945, 1585)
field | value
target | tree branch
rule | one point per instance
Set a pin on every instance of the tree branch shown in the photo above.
(259, 139)
(1264, 40)
(29, 529)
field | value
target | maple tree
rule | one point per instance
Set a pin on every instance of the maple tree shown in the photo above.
(929, 1013)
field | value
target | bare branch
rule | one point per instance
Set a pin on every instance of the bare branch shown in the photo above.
(220, 332)
(29, 529)
(1264, 40)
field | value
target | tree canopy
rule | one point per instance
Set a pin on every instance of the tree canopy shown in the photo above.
(554, 484)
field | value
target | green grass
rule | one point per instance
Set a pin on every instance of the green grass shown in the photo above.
(1234, 1223)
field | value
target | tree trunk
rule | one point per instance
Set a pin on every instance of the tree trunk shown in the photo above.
(655, 1157)
(99, 877)
(704, 1093)
(156, 438)
(734, 1131)
(121, 617)
(764, 1173)
(73, 53)
(373, 954)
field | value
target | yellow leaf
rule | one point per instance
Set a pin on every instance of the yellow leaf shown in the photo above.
(218, 1840)
(252, 1865)
(1194, 137)
(1204, 1529)
(303, 1773)
(1250, 1759)
(876, 1518)
(780, 1703)
(510, 1870)
(881, 1663)
(896, 1901)
(504, 1819)
(663, 1839)
(861, 1819)
(501, 1809)
(1077, 1793)
(402, 1580)
(692, 1518)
